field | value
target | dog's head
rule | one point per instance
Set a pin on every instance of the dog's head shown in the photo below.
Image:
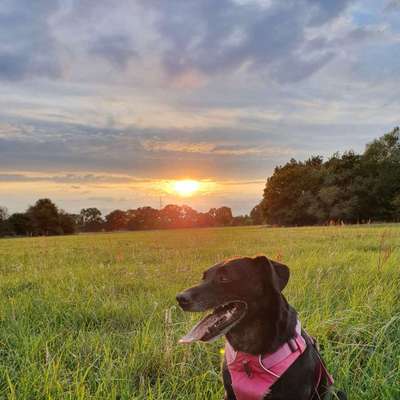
(234, 289)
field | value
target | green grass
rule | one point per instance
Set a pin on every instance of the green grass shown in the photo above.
(94, 316)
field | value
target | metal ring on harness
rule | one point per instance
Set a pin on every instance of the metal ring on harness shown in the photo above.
(266, 369)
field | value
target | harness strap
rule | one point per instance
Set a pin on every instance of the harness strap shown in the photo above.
(253, 375)
(292, 346)
(321, 370)
(260, 361)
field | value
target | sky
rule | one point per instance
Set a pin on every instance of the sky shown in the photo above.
(105, 103)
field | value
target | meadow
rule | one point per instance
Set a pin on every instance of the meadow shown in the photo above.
(95, 317)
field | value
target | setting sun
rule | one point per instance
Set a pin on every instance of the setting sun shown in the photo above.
(186, 187)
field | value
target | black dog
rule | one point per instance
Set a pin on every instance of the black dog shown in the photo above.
(250, 310)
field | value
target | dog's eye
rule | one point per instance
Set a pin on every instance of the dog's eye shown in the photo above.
(223, 279)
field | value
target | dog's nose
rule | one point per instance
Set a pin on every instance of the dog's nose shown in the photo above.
(183, 298)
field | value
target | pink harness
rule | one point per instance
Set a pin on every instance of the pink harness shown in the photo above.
(252, 376)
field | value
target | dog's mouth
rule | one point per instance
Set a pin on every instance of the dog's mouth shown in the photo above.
(216, 324)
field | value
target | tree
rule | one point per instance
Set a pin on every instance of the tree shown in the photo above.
(381, 163)
(45, 218)
(387, 147)
(256, 215)
(5, 228)
(116, 220)
(67, 223)
(170, 216)
(212, 216)
(223, 216)
(342, 188)
(241, 220)
(174, 216)
(290, 192)
(3, 213)
(90, 220)
(143, 218)
(205, 219)
(349, 187)
(396, 207)
(21, 224)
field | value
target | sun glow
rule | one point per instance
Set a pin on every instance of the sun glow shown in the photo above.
(186, 187)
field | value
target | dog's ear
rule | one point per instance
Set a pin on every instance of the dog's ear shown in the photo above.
(279, 273)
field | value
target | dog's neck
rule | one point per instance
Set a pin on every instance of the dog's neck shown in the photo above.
(266, 330)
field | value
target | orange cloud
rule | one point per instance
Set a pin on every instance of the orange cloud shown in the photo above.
(213, 148)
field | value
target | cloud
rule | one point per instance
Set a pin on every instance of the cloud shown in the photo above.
(173, 146)
(213, 148)
(117, 49)
(67, 178)
(327, 10)
(104, 199)
(192, 41)
(210, 37)
(250, 149)
(28, 48)
(393, 5)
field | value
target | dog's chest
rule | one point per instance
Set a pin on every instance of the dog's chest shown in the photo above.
(252, 376)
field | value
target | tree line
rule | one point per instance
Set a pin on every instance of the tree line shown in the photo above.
(45, 218)
(346, 188)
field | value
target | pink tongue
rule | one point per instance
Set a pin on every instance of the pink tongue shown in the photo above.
(201, 329)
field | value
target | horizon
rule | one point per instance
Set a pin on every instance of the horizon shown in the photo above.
(110, 106)
(171, 192)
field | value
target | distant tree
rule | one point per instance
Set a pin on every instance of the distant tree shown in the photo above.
(67, 223)
(341, 188)
(256, 215)
(205, 219)
(21, 224)
(314, 210)
(3, 213)
(387, 147)
(132, 223)
(289, 195)
(223, 216)
(5, 228)
(90, 220)
(381, 166)
(242, 220)
(143, 218)
(170, 216)
(212, 217)
(45, 218)
(188, 217)
(395, 203)
(174, 216)
(116, 220)
(76, 219)
(349, 187)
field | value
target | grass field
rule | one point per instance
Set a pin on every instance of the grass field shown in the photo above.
(94, 316)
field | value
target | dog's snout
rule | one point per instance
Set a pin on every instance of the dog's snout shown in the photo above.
(191, 300)
(183, 298)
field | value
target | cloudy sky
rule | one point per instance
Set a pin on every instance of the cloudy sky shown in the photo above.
(102, 102)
